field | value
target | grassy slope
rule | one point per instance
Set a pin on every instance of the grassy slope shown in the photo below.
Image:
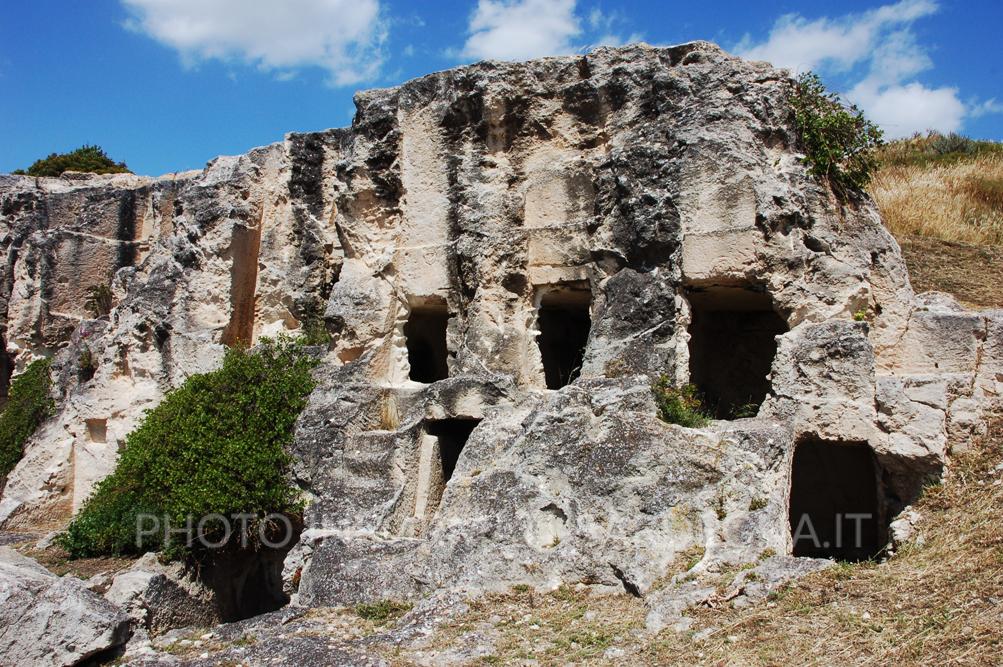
(942, 198)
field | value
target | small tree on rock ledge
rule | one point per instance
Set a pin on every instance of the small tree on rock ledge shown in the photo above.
(838, 141)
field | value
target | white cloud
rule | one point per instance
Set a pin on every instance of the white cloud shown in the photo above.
(340, 36)
(878, 52)
(979, 109)
(524, 29)
(799, 44)
(902, 110)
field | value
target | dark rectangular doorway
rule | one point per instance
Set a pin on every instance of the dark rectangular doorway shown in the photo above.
(452, 435)
(564, 322)
(732, 344)
(835, 509)
(425, 333)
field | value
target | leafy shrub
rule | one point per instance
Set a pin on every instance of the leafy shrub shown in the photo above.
(313, 326)
(744, 411)
(90, 159)
(27, 407)
(99, 300)
(945, 144)
(838, 142)
(679, 405)
(215, 445)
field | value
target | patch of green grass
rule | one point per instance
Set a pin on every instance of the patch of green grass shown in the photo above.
(28, 405)
(679, 405)
(935, 149)
(695, 555)
(382, 611)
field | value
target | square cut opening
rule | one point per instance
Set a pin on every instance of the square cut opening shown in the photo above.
(425, 333)
(97, 430)
(452, 435)
(732, 344)
(835, 507)
(564, 322)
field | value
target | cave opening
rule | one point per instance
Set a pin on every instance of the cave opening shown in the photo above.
(835, 507)
(732, 345)
(6, 372)
(452, 435)
(248, 582)
(564, 322)
(425, 333)
(440, 442)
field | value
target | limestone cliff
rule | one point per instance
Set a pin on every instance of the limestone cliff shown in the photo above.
(476, 239)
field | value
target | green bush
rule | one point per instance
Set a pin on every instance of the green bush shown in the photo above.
(90, 159)
(945, 144)
(679, 405)
(215, 445)
(28, 404)
(838, 142)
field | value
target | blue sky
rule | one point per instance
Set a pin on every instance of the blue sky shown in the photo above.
(166, 85)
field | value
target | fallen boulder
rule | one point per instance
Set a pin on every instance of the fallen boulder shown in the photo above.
(50, 620)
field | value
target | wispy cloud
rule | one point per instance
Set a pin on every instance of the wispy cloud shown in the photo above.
(979, 109)
(343, 37)
(524, 29)
(878, 54)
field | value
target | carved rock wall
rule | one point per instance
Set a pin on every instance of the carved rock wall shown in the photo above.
(658, 179)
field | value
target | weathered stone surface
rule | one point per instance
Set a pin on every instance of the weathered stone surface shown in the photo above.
(50, 620)
(659, 179)
(161, 597)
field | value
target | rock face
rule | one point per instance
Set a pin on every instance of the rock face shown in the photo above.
(161, 597)
(476, 239)
(48, 620)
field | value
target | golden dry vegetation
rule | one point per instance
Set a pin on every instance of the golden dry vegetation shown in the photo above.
(944, 187)
(942, 198)
(959, 201)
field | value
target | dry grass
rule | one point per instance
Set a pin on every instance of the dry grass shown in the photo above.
(567, 626)
(940, 598)
(959, 200)
(972, 273)
(58, 562)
